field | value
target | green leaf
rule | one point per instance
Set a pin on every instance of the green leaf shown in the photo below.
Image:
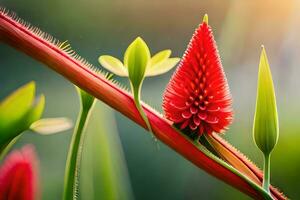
(51, 125)
(113, 64)
(103, 173)
(163, 67)
(14, 107)
(136, 59)
(160, 57)
(265, 128)
(17, 112)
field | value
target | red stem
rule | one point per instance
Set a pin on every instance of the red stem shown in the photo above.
(20, 37)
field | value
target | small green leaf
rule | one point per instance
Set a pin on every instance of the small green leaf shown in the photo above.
(160, 57)
(113, 64)
(136, 60)
(49, 126)
(17, 112)
(163, 67)
(265, 128)
(15, 106)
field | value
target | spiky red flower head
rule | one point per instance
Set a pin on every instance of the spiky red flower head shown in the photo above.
(197, 98)
(18, 175)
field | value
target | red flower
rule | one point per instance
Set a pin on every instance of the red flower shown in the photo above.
(18, 175)
(197, 97)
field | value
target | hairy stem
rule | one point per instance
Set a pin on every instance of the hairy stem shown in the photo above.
(21, 38)
(73, 160)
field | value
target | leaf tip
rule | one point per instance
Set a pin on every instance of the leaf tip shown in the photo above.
(139, 39)
(41, 99)
(263, 51)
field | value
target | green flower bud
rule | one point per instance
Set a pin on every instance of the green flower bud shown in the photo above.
(18, 111)
(136, 59)
(265, 127)
(138, 63)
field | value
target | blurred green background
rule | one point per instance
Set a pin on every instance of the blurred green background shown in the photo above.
(96, 27)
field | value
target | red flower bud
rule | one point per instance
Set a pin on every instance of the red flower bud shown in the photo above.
(18, 175)
(197, 98)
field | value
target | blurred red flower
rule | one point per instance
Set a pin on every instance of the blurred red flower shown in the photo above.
(18, 175)
(197, 98)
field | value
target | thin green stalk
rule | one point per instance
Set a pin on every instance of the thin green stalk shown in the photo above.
(137, 102)
(266, 180)
(73, 160)
(5, 149)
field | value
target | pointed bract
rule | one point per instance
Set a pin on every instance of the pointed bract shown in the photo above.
(197, 97)
(265, 128)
